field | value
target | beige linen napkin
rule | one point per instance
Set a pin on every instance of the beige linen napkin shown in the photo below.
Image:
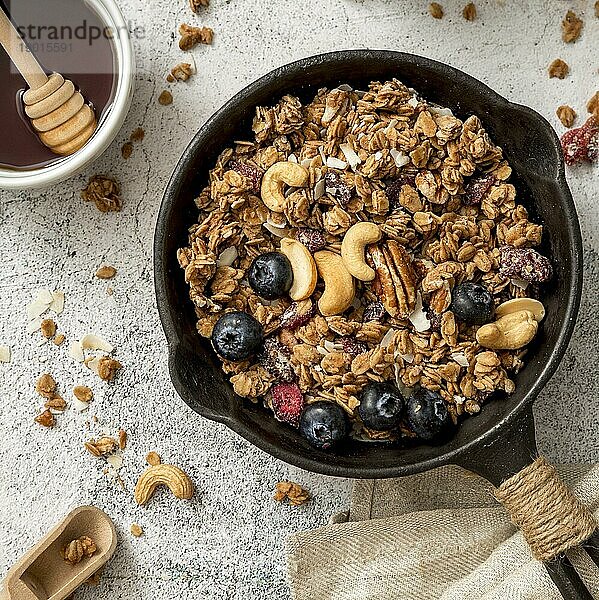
(439, 534)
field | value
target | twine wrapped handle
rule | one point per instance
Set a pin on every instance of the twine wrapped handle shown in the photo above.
(549, 515)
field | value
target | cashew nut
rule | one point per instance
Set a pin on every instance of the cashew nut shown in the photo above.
(517, 304)
(177, 481)
(354, 242)
(510, 332)
(338, 283)
(303, 267)
(274, 180)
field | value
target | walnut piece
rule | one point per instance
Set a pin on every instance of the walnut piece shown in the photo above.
(192, 36)
(180, 72)
(469, 12)
(105, 272)
(48, 328)
(558, 68)
(46, 386)
(83, 393)
(571, 27)
(76, 550)
(107, 368)
(46, 419)
(566, 115)
(165, 98)
(435, 10)
(104, 193)
(293, 493)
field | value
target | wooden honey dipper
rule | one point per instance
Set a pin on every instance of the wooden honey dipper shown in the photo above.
(61, 117)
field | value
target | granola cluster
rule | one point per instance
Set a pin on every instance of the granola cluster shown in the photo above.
(436, 187)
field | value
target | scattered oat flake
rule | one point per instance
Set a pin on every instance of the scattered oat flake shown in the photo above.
(435, 10)
(127, 150)
(180, 72)
(469, 12)
(46, 419)
(104, 192)
(136, 530)
(107, 368)
(195, 5)
(59, 339)
(46, 386)
(105, 272)
(571, 27)
(83, 393)
(559, 69)
(593, 105)
(4, 354)
(566, 115)
(165, 98)
(122, 439)
(192, 36)
(153, 459)
(292, 493)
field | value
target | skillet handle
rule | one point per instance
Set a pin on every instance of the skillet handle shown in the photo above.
(551, 517)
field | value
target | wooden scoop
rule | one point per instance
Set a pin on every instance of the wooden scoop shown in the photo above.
(62, 118)
(43, 574)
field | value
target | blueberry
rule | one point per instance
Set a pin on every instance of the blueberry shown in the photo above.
(472, 303)
(381, 406)
(270, 275)
(427, 415)
(323, 424)
(236, 336)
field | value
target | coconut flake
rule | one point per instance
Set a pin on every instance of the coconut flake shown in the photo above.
(42, 359)
(37, 308)
(319, 189)
(378, 155)
(57, 304)
(413, 102)
(519, 283)
(91, 341)
(401, 159)
(388, 337)
(418, 317)
(34, 325)
(459, 399)
(76, 351)
(392, 124)
(4, 354)
(322, 155)
(93, 364)
(440, 111)
(345, 87)
(292, 158)
(276, 231)
(78, 405)
(115, 461)
(460, 358)
(336, 163)
(332, 346)
(321, 350)
(306, 163)
(408, 357)
(227, 257)
(352, 158)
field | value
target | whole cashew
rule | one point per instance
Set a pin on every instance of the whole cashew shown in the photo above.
(338, 283)
(354, 242)
(276, 177)
(510, 332)
(173, 477)
(303, 267)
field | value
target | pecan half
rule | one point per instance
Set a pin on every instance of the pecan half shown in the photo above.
(395, 278)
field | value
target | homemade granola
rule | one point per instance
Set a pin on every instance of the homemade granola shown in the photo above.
(350, 255)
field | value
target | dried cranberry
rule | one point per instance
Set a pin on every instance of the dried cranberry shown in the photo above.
(375, 311)
(334, 185)
(254, 174)
(274, 357)
(287, 402)
(394, 188)
(352, 346)
(582, 143)
(313, 239)
(524, 263)
(434, 318)
(298, 314)
(476, 189)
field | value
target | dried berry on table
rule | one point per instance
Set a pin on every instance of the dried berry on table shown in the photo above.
(469, 12)
(180, 72)
(287, 402)
(192, 36)
(558, 68)
(571, 27)
(293, 493)
(435, 10)
(566, 115)
(104, 193)
(581, 144)
(165, 98)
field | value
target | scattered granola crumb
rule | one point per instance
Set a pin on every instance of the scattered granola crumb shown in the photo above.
(593, 105)
(469, 11)
(571, 27)
(137, 135)
(294, 493)
(56, 403)
(180, 72)
(127, 150)
(95, 578)
(165, 98)
(46, 386)
(59, 339)
(83, 393)
(136, 530)
(153, 459)
(122, 439)
(107, 368)
(75, 551)
(192, 36)
(566, 115)
(435, 10)
(597, 9)
(195, 5)
(109, 291)
(104, 193)
(102, 446)
(105, 272)
(46, 419)
(48, 328)
(558, 68)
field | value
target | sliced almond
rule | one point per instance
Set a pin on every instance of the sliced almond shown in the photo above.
(518, 304)
(91, 341)
(76, 351)
(303, 266)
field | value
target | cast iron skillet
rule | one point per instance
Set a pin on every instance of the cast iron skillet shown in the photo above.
(496, 443)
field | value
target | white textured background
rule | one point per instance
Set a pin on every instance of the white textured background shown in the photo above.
(228, 541)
